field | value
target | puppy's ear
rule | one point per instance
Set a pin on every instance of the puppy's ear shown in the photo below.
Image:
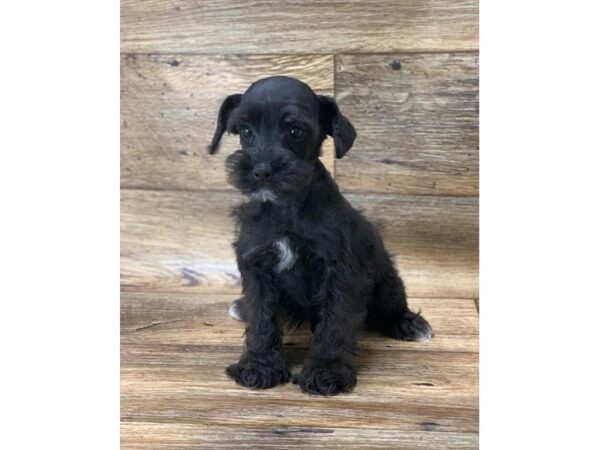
(228, 105)
(336, 125)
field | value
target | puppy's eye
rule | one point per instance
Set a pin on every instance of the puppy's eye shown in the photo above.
(296, 132)
(245, 131)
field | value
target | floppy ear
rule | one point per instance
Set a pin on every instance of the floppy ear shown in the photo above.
(229, 104)
(336, 125)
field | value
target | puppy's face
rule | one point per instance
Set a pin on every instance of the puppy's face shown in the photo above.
(281, 123)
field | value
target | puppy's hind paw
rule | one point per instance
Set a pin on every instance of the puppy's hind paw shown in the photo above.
(411, 327)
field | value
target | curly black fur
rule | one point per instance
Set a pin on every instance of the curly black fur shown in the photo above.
(305, 255)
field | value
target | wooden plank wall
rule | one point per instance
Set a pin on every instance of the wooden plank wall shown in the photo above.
(406, 74)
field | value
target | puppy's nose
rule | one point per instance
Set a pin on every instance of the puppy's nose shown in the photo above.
(262, 172)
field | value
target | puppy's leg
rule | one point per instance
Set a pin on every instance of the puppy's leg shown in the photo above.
(388, 310)
(329, 368)
(262, 364)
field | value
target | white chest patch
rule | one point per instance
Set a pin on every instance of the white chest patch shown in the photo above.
(287, 257)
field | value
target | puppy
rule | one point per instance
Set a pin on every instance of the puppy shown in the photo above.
(304, 254)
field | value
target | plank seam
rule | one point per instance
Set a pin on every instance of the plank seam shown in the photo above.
(136, 290)
(231, 191)
(335, 96)
(366, 53)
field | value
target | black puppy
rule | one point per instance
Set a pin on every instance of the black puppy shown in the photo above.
(305, 255)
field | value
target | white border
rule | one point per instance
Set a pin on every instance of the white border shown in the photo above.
(59, 239)
(539, 225)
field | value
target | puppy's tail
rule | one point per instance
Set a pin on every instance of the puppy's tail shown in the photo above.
(388, 312)
(237, 309)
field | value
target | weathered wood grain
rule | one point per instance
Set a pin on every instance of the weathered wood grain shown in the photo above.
(191, 394)
(180, 241)
(168, 436)
(406, 74)
(179, 319)
(169, 106)
(434, 240)
(417, 122)
(175, 394)
(320, 26)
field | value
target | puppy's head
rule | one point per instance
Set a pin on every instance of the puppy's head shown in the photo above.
(282, 124)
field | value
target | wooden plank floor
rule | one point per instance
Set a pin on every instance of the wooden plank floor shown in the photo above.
(175, 394)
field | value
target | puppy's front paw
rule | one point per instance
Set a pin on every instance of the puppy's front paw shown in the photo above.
(260, 372)
(327, 377)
